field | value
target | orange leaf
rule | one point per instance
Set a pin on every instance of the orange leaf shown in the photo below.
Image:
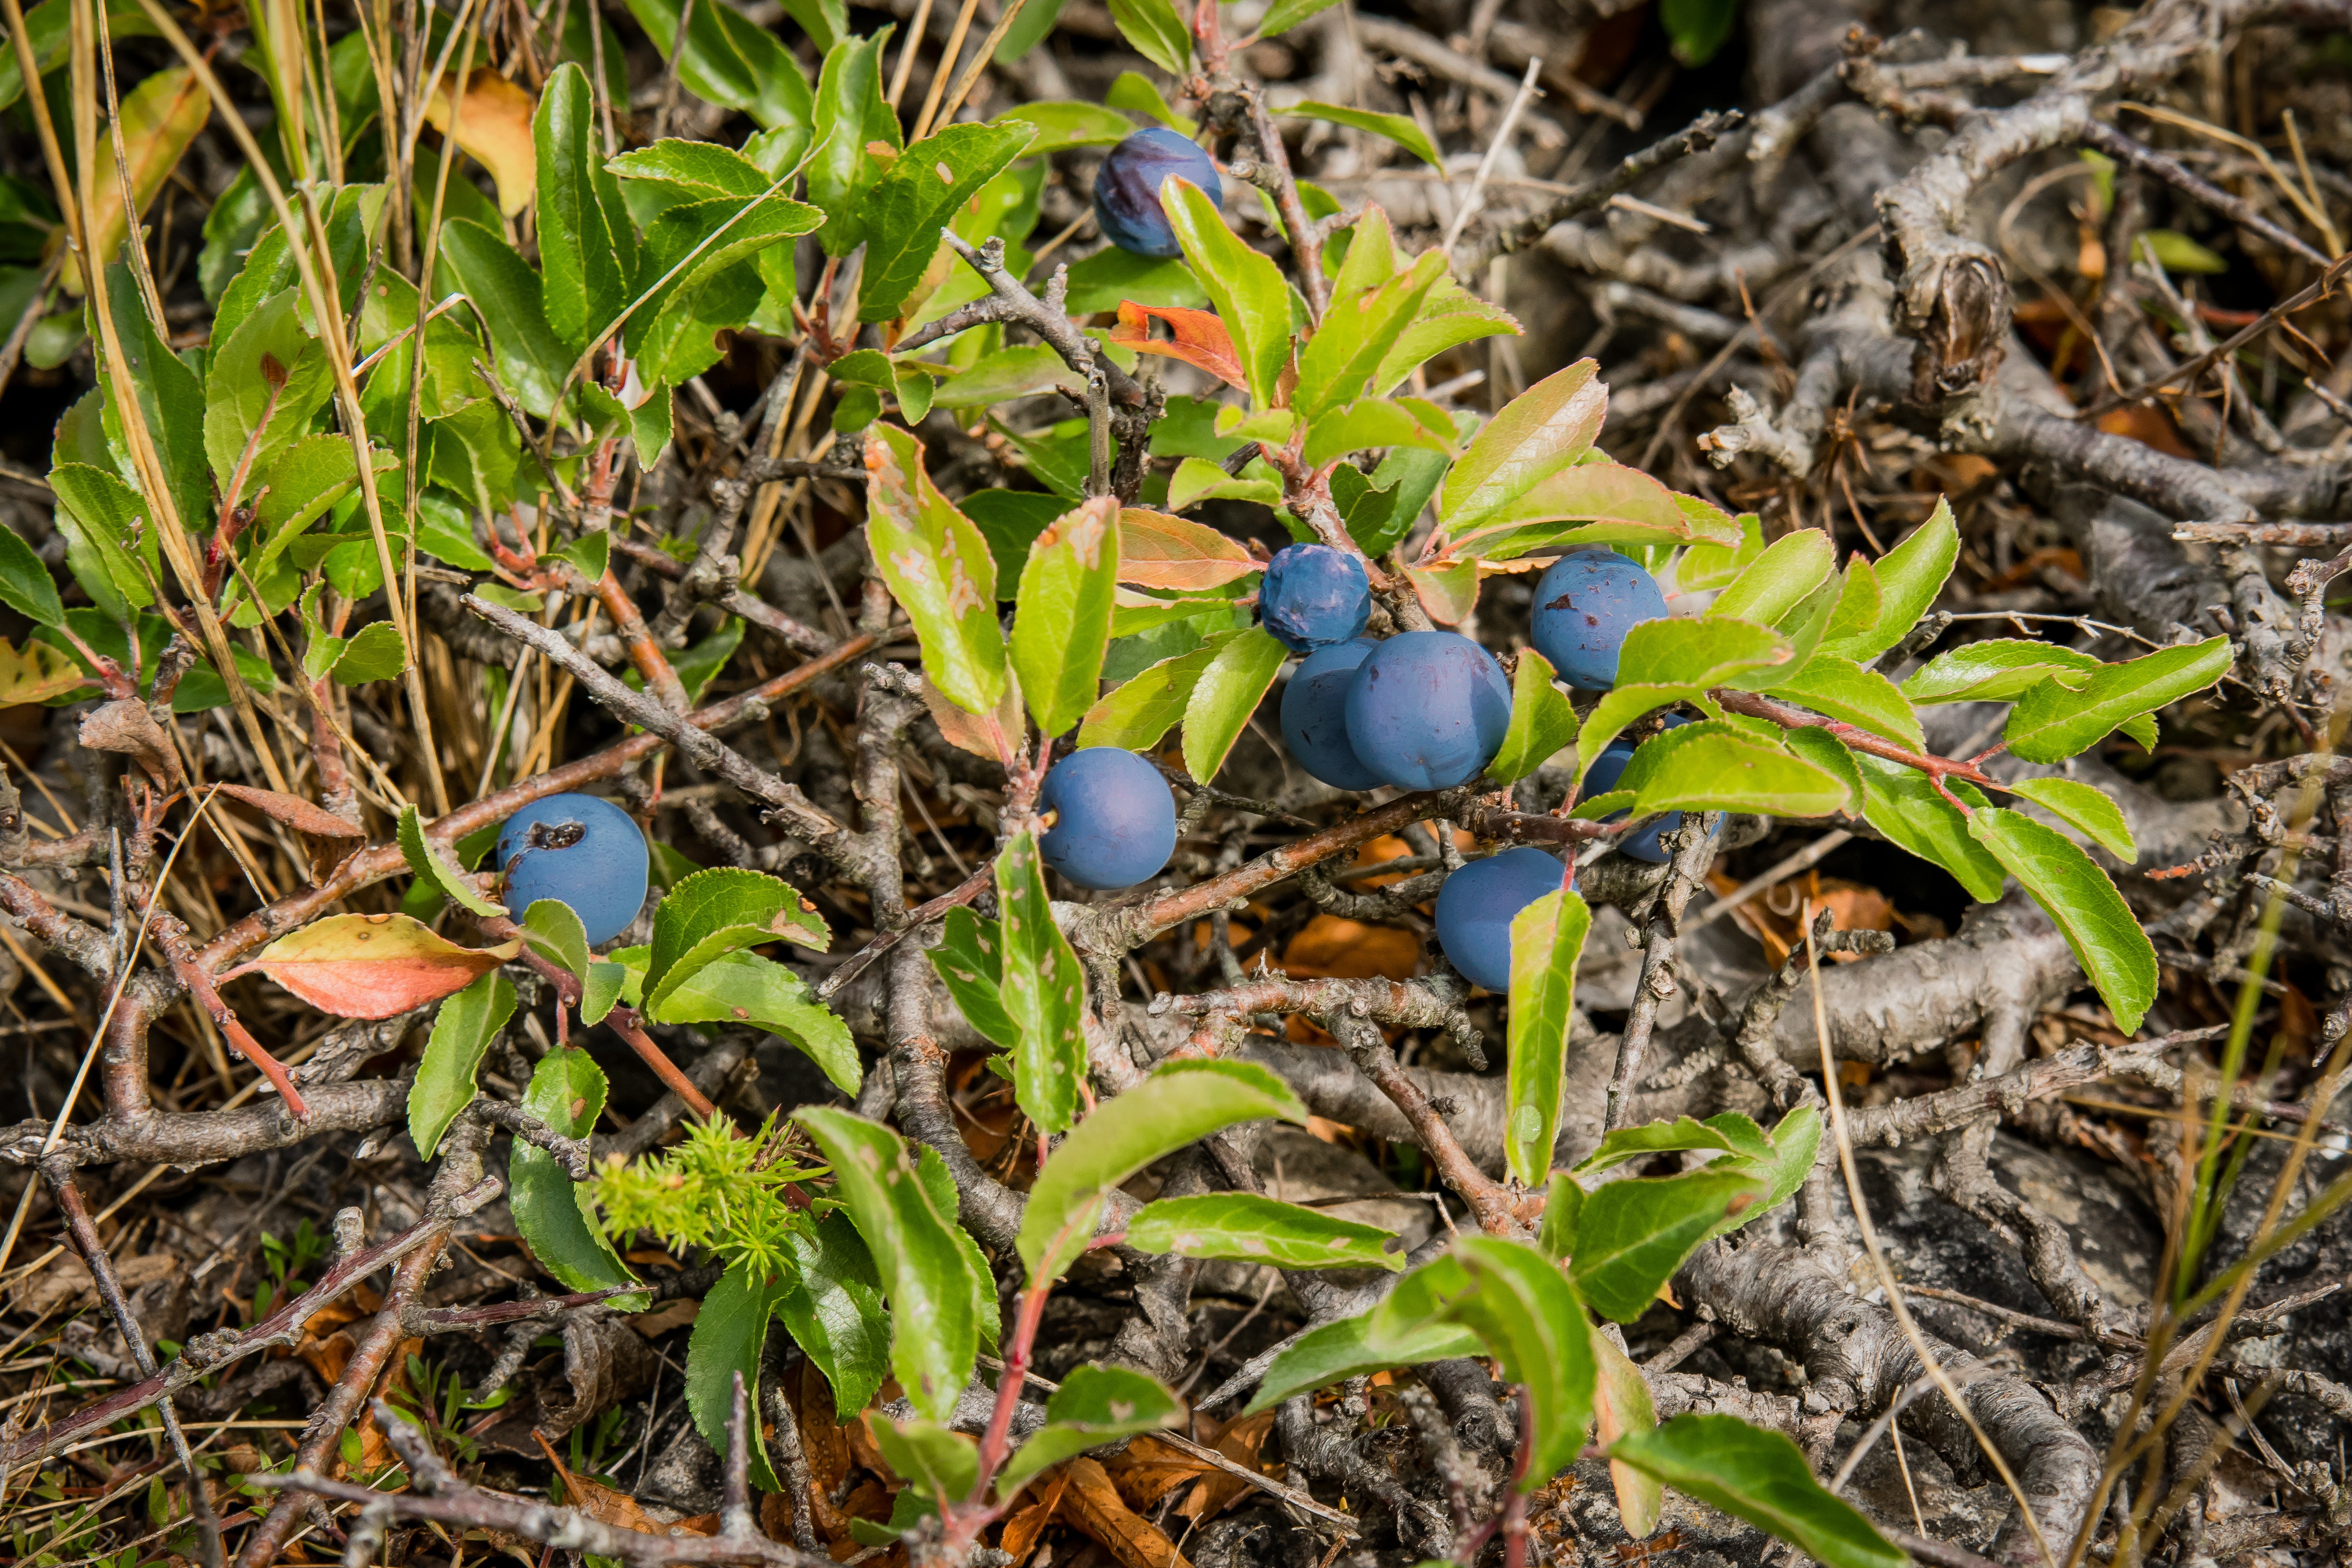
(1158, 551)
(1201, 338)
(1094, 1506)
(493, 128)
(371, 966)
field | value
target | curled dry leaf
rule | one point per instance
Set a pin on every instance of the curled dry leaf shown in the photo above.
(1201, 338)
(294, 812)
(493, 118)
(371, 966)
(125, 725)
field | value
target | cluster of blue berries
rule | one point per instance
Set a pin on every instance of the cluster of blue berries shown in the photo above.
(1585, 603)
(1420, 710)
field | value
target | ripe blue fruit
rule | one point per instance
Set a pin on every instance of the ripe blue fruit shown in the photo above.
(1643, 846)
(1477, 904)
(1115, 823)
(1428, 710)
(1585, 605)
(578, 851)
(1127, 189)
(1313, 596)
(1314, 714)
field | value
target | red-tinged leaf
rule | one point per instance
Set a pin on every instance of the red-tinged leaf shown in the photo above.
(294, 812)
(1158, 551)
(371, 966)
(1201, 338)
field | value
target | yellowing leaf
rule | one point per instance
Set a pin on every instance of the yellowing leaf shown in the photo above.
(371, 966)
(1157, 550)
(36, 673)
(493, 119)
(160, 117)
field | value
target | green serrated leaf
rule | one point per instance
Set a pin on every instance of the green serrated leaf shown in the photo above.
(554, 930)
(938, 567)
(2084, 807)
(1157, 31)
(933, 1297)
(1398, 128)
(463, 1028)
(913, 200)
(426, 863)
(1061, 621)
(1247, 288)
(1259, 1229)
(728, 1334)
(723, 911)
(1547, 939)
(1998, 669)
(1863, 698)
(1538, 433)
(1227, 693)
(1180, 1102)
(1713, 765)
(554, 1213)
(1632, 1235)
(1323, 1356)
(1909, 577)
(970, 959)
(1042, 989)
(1761, 1477)
(1541, 720)
(744, 988)
(1135, 714)
(1778, 580)
(2106, 938)
(2051, 721)
(1901, 803)
(834, 1310)
(1095, 1405)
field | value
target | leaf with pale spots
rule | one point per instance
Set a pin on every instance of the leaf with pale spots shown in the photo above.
(1095, 1405)
(937, 566)
(1042, 989)
(371, 966)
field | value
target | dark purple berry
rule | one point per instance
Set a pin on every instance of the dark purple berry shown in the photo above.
(1127, 189)
(1314, 714)
(579, 850)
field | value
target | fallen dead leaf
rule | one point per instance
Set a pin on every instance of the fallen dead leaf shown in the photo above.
(662, 1318)
(1333, 947)
(494, 129)
(1243, 1442)
(1092, 1504)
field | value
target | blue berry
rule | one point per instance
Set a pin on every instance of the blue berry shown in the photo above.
(1585, 605)
(1127, 189)
(1428, 710)
(1643, 846)
(578, 851)
(1313, 596)
(1477, 904)
(1314, 714)
(1116, 822)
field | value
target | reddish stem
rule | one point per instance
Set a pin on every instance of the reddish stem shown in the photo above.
(994, 1446)
(1938, 768)
(172, 940)
(622, 1021)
